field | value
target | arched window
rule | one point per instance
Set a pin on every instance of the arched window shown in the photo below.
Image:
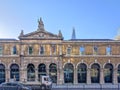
(68, 73)
(108, 72)
(14, 72)
(82, 73)
(118, 74)
(30, 72)
(42, 51)
(95, 73)
(41, 70)
(2, 73)
(14, 50)
(53, 72)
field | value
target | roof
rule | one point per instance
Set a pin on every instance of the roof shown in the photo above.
(91, 40)
(6, 39)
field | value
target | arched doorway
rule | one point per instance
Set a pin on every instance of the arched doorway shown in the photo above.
(14, 72)
(2, 73)
(108, 72)
(53, 72)
(41, 70)
(95, 73)
(82, 73)
(30, 72)
(118, 77)
(68, 73)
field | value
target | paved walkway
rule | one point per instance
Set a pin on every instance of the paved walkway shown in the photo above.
(86, 86)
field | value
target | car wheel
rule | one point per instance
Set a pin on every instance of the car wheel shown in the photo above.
(43, 87)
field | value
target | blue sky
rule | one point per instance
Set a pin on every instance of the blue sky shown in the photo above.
(91, 19)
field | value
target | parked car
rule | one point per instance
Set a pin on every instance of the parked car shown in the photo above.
(13, 86)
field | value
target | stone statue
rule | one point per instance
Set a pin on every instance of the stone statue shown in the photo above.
(40, 25)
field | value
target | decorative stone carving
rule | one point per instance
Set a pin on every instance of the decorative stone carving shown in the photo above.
(13, 61)
(95, 60)
(109, 61)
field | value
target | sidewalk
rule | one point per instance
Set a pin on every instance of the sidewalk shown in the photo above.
(86, 86)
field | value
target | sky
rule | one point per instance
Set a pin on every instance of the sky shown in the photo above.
(92, 19)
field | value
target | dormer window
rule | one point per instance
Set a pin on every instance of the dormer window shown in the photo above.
(30, 50)
(95, 50)
(108, 50)
(69, 50)
(42, 51)
(14, 50)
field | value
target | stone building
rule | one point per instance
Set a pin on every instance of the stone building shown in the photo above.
(66, 61)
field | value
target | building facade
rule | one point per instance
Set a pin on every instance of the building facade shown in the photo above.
(74, 61)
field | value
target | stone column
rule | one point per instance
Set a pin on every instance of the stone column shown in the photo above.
(88, 76)
(36, 74)
(25, 74)
(47, 70)
(60, 69)
(101, 76)
(75, 75)
(58, 75)
(21, 73)
(115, 81)
(22, 67)
(62, 76)
(7, 74)
(59, 79)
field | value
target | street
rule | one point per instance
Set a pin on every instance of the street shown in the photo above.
(84, 87)
(67, 89)
(72, 87)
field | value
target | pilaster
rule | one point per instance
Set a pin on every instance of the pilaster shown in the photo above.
(75, 75)
(115, 76)
(7, 75)
(60, 79)
(21, 74)
(36, 74)
(88, 76)
(47, 70)
(101, 76)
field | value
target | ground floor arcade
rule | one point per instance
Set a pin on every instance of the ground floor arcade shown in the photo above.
(68, 74)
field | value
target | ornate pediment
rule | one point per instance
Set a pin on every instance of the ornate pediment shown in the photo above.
(41, 33)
